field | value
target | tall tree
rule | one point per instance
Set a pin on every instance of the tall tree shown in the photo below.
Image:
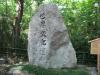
(17, 21)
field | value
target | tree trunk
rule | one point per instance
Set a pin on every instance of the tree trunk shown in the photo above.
(16, 26)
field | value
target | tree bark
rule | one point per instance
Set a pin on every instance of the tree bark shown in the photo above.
(17, 21)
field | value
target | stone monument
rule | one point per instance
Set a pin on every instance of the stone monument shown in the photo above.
(49, 45)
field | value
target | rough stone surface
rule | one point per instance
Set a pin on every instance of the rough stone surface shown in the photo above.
(92, 70)
(49, 45)
(17, 71)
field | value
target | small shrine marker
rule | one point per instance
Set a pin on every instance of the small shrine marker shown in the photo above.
(95, 49)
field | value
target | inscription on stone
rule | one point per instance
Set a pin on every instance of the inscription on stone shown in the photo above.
(49, 45)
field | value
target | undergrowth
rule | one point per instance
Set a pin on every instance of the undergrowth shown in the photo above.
(42, 71)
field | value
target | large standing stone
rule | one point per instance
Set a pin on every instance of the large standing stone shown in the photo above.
(48, 41)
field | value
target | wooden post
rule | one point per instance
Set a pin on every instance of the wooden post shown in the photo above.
(98, 59)
(95, 49)
(98, 63)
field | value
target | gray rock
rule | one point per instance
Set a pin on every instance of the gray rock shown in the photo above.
(2, 61)
(17, 71)
(92, 70)
(49, 45)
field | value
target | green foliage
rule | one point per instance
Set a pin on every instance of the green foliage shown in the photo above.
(6, 22)
(80, 17)
(38, 2)
(42, 71)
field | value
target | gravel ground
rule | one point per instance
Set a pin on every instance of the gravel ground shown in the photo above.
(92, 70)
(16, 70)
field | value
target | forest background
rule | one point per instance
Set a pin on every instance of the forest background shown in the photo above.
(81, 17)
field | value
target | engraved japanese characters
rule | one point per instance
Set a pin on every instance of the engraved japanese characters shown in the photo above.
(49, 45)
